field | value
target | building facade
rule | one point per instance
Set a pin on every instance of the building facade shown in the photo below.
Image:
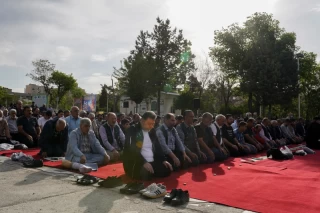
(34, 89)
(150, 104)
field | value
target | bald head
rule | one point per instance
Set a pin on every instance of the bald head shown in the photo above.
(19, 104)
(207, 118)
(60, 125)
(111, 118)
(75, 112)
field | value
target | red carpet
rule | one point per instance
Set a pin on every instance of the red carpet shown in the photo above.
(103, 172)
(265, 186)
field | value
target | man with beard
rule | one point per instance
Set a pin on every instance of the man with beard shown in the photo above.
(143, 157)
(171, 143)
(28, 128)
(235, 148)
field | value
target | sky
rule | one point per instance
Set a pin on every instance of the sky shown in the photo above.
(88, 38)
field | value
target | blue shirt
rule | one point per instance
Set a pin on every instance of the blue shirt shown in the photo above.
(239, 136)
(72, 123)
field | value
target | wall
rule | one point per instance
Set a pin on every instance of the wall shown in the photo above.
(166, 104)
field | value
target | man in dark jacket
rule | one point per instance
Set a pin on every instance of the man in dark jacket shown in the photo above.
(300, 129)
(143, 157)
(313, 134)
(54, 138)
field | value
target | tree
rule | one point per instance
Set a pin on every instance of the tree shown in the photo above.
(168, 52)
(223, 87)
(261, 56)
(309, 83)
(3, 92)
(77, 92)
(63, 83)
(185, 100)
(41, 73)
(103, 99)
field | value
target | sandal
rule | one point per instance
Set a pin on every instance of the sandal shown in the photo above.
(87, 180)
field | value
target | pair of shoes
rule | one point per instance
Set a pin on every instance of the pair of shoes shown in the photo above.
(154, 191)
(87, 180)
(132, 188)
(33, 163)
(111, 182)
(177, 197)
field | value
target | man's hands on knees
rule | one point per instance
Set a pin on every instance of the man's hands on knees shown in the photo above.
(167, 165)
(83, 159)
(176, 161)
(148, 167)
(116, 154)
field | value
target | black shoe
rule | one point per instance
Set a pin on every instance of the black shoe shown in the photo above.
(111, 182)
(125, 188)
(135, 188)
(168, 198)
(33, 163)
(181, 198)
(87, 180)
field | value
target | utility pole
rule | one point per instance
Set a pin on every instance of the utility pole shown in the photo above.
(114, 96)
(299, 55)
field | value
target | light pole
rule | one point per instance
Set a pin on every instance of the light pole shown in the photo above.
(299, 55)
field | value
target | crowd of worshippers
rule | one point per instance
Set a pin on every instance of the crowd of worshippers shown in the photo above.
(149, 145)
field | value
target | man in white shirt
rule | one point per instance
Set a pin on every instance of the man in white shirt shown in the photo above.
(42, 120)
(220, 151)
(143, 157)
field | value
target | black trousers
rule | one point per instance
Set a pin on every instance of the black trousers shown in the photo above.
(236, 153)
(183, 164)
(15, 136)
(137, 171)
(30, 144)
(54, 150)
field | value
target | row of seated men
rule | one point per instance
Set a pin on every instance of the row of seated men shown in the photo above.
(147, 151)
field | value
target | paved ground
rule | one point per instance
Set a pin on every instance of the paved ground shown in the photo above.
(52, 190)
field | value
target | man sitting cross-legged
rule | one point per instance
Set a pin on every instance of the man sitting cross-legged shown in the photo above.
(83, 147)
(249, 149)
(171, 143)
(188, 135)
(112, 137)
(143, 157)
(220, 151)
(54, 138)
(249, 135)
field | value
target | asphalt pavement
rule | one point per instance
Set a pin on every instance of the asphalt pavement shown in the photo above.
(50, 190)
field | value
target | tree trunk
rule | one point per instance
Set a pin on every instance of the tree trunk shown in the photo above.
(269, 111)
(250, 102)
(158, 101)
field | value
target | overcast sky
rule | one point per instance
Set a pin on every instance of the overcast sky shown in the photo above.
(88, 38)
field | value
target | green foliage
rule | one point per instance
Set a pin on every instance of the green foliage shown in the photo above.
(166, 55)
(56, 84)
(78, 92)
(309, 83)
(41, 73)
(103, 97)
(184, 101)
(261, 56)
(3, 92)
(63, 84)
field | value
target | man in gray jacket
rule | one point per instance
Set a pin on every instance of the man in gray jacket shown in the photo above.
(84, 147)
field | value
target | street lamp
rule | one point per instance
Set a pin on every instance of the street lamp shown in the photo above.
(299, 56)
